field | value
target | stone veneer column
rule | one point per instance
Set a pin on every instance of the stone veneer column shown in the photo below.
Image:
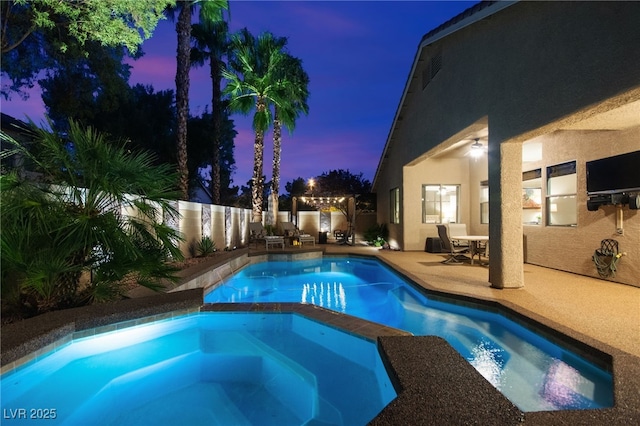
(505, 215)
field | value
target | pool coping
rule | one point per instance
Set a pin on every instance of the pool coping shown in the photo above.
(29, 339)
(434, 383)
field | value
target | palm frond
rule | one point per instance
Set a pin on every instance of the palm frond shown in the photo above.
(101, 208)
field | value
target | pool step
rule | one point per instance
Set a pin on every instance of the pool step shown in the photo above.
(408, 299)
(327, 415)
(459, 335)
(236, 372)
(291, 384)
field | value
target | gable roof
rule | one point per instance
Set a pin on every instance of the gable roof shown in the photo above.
(468, 17)
(9, 123)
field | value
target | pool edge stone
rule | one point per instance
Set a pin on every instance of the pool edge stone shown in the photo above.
(436, 385)
(22, 340)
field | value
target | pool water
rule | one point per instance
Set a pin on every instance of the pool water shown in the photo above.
(531, 371)
(204, 369)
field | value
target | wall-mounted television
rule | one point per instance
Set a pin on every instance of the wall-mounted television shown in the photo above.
(611, 175)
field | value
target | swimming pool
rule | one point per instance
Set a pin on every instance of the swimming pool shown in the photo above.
(531, 371)
(202, 369)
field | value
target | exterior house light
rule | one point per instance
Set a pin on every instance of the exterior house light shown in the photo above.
(476, 149)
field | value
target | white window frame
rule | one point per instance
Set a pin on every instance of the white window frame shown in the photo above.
(484, 202)
(561, 197)
(394, 205)
(433, 210)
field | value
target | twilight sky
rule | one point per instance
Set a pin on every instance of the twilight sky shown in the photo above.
(358, 55)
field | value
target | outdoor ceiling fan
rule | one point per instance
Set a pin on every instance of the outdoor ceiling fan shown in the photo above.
(477, 148)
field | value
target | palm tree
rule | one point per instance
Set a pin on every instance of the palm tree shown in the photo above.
(294, 83)
(253, 83)
(72, 220)
(210, 11)
(212, 43)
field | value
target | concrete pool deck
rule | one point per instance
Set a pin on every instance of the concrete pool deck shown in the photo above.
(435, 384)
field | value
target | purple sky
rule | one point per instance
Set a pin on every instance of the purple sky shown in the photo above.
(358, 56)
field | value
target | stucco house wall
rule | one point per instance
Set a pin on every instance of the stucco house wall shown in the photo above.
(571, 248)
(527, 71)
(451, 171)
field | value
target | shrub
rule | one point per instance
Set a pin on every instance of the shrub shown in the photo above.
(377, 235)
(206, 246)
(270, 229)
(70, 225)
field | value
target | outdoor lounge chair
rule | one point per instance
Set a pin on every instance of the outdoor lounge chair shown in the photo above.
(456, 255)
(257, 233)
(290, 230)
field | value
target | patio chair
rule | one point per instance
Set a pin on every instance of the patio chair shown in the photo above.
(455, 229)
(483, 251)
(343, 237)
(456, 255)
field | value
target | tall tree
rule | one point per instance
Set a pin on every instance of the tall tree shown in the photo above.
(210, 11)
(200, 149)
(294, 84)
(253, 84)
(86, 82)
(145, 118)
(90, 84)
(342, 182)
(31, 30)
(211, 44)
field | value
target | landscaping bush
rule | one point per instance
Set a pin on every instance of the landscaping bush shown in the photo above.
(206, 247)
(377, 235)
(68, 235)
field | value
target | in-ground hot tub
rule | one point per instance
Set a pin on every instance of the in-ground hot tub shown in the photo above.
(206, 368)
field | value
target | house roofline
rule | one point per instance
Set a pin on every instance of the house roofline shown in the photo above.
(468, 17)
(8, 121)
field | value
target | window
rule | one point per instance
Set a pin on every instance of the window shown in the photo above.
(532, 197)
(394, 209)
(561, 195)
(484, 201)
(440, 203)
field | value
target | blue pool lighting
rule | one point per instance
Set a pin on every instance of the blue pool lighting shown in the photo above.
(533, 372)
(202, 369)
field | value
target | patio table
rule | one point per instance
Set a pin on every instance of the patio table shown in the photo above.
(474, 240)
